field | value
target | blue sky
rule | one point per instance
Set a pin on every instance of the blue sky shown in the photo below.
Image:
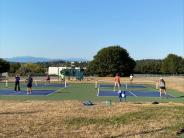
(148, 29)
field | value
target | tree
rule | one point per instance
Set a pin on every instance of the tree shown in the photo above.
(181, 68)
(4, 66)
(172, 64)
(148, 66)
(110, 60)
(14, 67)
(31, 68)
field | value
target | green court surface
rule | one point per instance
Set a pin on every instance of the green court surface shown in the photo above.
(85, 91)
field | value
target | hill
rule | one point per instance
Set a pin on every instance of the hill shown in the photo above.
(25, 59)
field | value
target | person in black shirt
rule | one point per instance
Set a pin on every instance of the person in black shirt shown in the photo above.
(17, 83)
(29, 84)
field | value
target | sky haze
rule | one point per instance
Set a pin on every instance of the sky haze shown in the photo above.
(148, 29)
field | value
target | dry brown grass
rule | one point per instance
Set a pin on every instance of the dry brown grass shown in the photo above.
(72, 119)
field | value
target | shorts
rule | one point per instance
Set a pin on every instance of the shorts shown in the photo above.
(162, 87)
(29, 85)
(117, 84)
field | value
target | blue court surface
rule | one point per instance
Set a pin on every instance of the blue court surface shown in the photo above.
(34, 92)
(123, 85)
(49, 85)
(134, 93)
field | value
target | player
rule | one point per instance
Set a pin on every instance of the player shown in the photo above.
(117, 82)
(29, 84)
(162, 86)
(62, 77)
(17, 83)
(121, 95)
(131, 78)
(48, 79)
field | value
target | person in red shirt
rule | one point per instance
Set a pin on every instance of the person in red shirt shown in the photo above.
(48, 79)
(117, 82)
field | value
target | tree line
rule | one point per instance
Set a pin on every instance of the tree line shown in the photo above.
(115, 59)
(107, 62)
(40, 68)
(172, 64)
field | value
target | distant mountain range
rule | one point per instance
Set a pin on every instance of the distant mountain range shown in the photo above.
(25, 59)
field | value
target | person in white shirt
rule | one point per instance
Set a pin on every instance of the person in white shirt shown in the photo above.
(162, 86)
(131, 78)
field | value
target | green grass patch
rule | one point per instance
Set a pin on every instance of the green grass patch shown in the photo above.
(139, 117)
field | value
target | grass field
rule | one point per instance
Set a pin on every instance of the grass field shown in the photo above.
(72, 119)
(62, 114)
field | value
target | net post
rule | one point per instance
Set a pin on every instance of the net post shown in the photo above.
(6, 83)
(96, 84)
(65, 83)
(126, 85)
(156, 86)
(36, 83)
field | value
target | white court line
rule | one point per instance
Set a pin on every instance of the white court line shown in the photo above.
(53, 92)
(56, 91)
(171, 95)
(132, 93)
(168, 94)
(98, 92)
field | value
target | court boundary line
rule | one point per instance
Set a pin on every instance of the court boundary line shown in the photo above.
(54, 91)
(122, 86)
(99, 92)
(168, 94)
(57, 90)
(127, 91)
(132, 93)
(171, 95)
(25, 92)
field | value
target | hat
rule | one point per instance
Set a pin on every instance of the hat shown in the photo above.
(119, 91)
